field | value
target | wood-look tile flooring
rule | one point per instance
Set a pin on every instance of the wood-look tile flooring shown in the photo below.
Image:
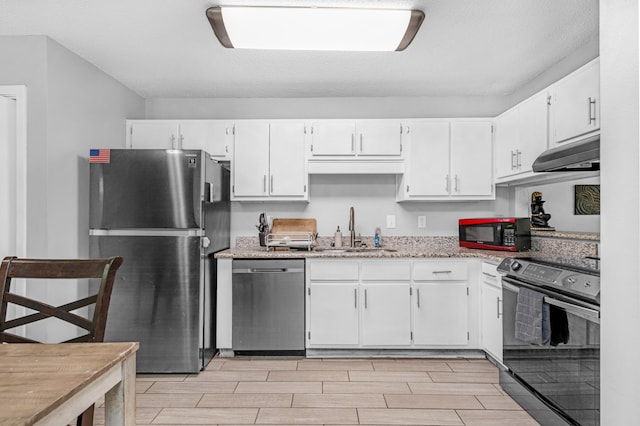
(300, 391)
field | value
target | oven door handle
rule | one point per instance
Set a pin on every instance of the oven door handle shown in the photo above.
(585, 313)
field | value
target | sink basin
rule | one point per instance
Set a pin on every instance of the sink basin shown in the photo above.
(371, 250)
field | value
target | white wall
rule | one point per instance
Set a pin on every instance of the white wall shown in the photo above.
(559, 203)
(71, 107)
(620, 242)
(373, 198)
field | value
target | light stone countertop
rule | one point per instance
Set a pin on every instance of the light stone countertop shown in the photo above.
(406, 247)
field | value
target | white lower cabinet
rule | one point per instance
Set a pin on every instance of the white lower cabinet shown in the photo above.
(440, 314)
(440, 309)
(332, 314)
(491, 313)
(387, 303)
(386, 314)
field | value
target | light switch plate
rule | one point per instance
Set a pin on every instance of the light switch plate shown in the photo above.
(422, 221)
(391, 221)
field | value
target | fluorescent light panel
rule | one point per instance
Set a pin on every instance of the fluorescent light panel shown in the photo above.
(302, 28)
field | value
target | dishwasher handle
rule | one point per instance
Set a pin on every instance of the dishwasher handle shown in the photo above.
(267, 270)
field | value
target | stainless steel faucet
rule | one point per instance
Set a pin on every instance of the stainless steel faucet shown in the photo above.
(352, 227)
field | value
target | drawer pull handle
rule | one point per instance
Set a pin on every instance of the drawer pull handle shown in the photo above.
(442, 272)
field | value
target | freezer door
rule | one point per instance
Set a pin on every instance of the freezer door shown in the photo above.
(162, 298)
(147, 188)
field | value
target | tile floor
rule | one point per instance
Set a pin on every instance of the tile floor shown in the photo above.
(299, 391)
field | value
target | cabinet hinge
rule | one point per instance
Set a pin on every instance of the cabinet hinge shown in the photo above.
(309, 291)
(400, 147)
(309, 335)
(411, 334)
(467, 336)
(131, 137)
(467, 291)
(492, 128)
(407, 188)
(311, 147)
(401, 129)
(311, 129)
(234, 129)
(305, 130)
(548, 99)
(410, 291)
(233, 189)
(305, 188)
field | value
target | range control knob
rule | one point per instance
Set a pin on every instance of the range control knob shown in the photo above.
(515, 265)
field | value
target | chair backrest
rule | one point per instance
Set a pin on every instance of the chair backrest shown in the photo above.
(13, 267)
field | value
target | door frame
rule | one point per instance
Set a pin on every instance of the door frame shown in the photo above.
(19, 93)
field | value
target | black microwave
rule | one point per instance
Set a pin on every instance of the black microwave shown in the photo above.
(496, 233)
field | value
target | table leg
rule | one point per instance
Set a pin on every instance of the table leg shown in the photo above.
(120, 401)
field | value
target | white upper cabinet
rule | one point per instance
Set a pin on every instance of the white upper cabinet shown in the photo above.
(287, 166)
(269, 161)
(447, 159)
(427, 160)
(379, 137)
(250, 165)
(213, 136)
(355, 138)
(575, 104)
(521, 135)
(471, 159)
(333, 137)
(153, 134)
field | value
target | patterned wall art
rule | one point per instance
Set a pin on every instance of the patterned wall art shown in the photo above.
(587, 199)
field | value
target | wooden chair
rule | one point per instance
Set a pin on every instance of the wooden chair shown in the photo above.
(104, 269)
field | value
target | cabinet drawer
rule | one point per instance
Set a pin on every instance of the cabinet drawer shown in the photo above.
(386, 271)
(490, 274)
(440, 271)
(333, 271)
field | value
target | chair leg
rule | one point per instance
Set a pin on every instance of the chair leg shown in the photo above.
(86, 418)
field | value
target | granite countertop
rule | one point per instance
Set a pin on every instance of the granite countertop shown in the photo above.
(567, 235)
(418, 247)
(434, 247)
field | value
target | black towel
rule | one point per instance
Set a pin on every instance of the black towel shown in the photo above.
(559, 325)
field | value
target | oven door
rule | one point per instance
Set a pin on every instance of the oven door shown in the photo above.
(565, 377)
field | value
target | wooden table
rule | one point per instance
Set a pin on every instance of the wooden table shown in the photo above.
(51, 384)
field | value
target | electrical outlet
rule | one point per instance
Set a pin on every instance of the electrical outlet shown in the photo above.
(422, 221)
(391, 221)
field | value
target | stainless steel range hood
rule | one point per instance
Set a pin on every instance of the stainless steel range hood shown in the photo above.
(578, 156)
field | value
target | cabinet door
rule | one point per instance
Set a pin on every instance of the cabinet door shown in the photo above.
(428, 159)
(209, 135)
(333, 137)
(386, 318)
(575, 103)
(506, 143)
(287, 168)
(379, 137)
(471, 158)
(491, 320)
(440, 314)
(251, 159)
(533, 130)
(333, 314)
(153, 134)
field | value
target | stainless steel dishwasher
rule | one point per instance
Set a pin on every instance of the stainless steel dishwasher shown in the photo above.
(268, 305)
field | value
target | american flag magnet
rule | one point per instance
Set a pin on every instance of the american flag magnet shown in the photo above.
(99, 156)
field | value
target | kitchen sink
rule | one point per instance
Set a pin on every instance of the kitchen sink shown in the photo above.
(356, 250)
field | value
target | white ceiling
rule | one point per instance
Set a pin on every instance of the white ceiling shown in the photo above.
(166, 48)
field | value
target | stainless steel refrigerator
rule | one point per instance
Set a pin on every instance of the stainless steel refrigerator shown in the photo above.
(166, 212)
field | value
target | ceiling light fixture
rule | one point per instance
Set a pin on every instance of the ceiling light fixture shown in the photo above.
(314, 28)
